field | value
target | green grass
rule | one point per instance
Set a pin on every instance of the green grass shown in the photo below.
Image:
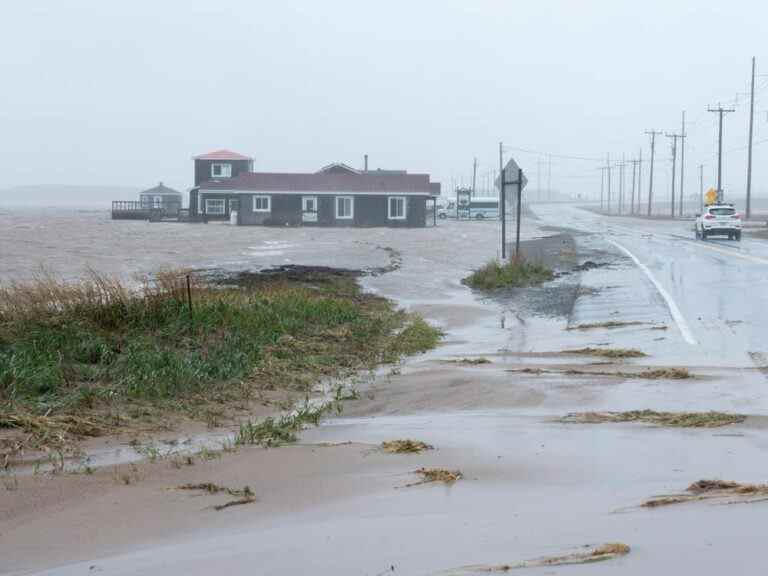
(96, 350)
(515, 273)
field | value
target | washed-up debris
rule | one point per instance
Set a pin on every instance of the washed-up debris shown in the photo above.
(430, 475)
(725, 490)
(608, 324)
(589, 265)
(244, 496)
(670, 419)
(470, 361)
(405, 446)
(657, 374)
(586, 555)
(238, 502)
(607, 352)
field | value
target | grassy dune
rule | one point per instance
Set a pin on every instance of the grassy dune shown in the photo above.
(95, 355)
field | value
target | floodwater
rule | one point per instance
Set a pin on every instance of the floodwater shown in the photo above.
(531, 486)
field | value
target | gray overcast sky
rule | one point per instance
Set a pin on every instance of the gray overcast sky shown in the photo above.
(124, 93)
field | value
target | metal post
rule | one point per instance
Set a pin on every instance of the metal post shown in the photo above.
(749, 154)
(519, 203)
(189, 294)
(701, 188)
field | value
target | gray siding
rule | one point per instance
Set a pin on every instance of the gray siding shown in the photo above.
(369, 210)
(203, 169)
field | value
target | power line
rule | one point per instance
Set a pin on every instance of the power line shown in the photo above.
(550, 154)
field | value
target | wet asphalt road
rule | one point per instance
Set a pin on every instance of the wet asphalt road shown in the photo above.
(533, 487)
(717, 286)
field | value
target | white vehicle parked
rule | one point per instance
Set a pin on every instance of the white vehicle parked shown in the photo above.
(718, 220)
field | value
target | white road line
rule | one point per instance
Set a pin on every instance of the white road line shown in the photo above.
(685, 330)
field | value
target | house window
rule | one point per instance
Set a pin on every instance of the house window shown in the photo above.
(157, 202)
(215, 206)
(262, 203)
(345, 207)
(309, 204)
(221, 170)
(396, 208)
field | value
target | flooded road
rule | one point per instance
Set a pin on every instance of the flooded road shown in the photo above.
(531, 486)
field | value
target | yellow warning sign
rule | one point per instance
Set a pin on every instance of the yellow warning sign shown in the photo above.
(711, 196)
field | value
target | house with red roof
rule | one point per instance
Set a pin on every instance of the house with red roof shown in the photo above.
(335, 195)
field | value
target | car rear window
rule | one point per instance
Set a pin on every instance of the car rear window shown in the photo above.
(722, 211)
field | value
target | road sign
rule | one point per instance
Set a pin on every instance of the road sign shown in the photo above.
(510, 175)
(711, 196)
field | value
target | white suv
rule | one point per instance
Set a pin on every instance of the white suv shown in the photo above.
(718, 220)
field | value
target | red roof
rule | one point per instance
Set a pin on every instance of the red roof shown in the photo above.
(324, 182)
(221, 155)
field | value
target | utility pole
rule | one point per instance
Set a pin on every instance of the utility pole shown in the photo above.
(749, 154)
(502, 203)
(635, 163)
(602, 186)
(720, 110)
(653, 134)
(474, 177)
(639, 179)
(549, 177)
(674, 173)
(682, 163)
(621, 185)
(608, 168)
(701, 188)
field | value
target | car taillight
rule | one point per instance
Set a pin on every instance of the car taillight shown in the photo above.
(709, 217)
(737, 216)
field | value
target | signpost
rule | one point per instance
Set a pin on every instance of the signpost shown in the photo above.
(509, 175)
(710, 197)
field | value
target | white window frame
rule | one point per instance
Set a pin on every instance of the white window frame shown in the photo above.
(209, 201)
(157, 202)
(304, 200)
(262, 197)
(351, 207)
(389, 207)
(225, 168)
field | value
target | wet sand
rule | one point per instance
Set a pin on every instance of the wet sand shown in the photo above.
(531, 486)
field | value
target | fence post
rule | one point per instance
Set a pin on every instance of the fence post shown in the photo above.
(189, 295)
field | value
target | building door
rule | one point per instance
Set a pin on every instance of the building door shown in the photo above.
(309, 208)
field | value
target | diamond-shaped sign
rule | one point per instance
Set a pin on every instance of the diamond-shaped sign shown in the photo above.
(511, 171)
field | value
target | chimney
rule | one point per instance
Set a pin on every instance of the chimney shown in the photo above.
(366, 163)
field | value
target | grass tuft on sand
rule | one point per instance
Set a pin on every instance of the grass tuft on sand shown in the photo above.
(470, 361)
(609, 324)
(244, 496)
(93, 356)
(431, 475)
(727, 491)
(515, 273)
(406, 446)
(585, 555)
(668, 419)
(607, 352)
